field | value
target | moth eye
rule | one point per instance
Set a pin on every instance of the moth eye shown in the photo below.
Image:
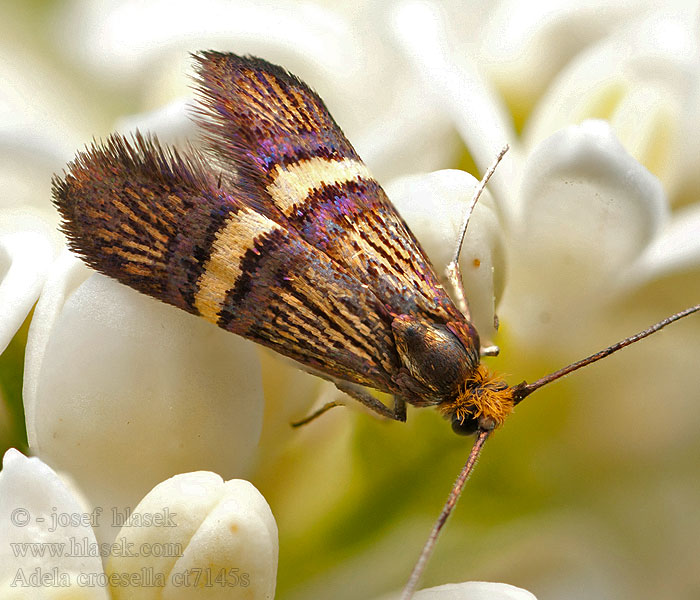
(466, 426)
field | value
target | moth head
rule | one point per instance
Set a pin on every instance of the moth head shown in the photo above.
(440, 357)
(482, 404)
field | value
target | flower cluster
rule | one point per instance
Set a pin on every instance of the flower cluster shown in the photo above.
(589, 230)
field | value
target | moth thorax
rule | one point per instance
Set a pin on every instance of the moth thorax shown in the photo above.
(434, 355)
(483, 403)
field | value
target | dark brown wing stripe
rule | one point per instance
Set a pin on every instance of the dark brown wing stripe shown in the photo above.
(143, 215)
(290, 286)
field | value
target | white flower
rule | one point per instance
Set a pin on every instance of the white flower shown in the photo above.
(35, 525)
(41, 119)
(27, 247)
(595, 252)
(645, 81)
(193, 535)
(474, 590)
(523, 47)
(205, 538)
(362, 495)
(110, 373)
(587, 211)
(340, 52)
(575, 202)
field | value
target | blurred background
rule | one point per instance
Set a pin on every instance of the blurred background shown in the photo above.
(592, 488)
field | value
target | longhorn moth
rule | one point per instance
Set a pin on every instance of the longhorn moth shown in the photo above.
(289, 241)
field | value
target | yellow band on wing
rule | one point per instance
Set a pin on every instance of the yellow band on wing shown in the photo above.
(223, 268)
(293, 184)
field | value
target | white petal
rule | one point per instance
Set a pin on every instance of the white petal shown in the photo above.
(581, 179)
(477, 113)
(645, 80)
(67, 273)
(109, 371)
(475, 590)
(36, 104)
(434, 207)
(27, 247)
(683, 179)
(588, 210)
(37, 508)
(171, 123)
(119, 39)
(40, 120)
(28, 159)
(413, 137)
(677, 248)
(471, 590)
(223, 531)
(525, 45)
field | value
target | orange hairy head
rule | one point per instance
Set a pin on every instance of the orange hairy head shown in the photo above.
(483, 402)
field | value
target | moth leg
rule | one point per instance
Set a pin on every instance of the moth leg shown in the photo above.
(399, 409)
(413, 392)
(489, 350)
(407, 382)
(317, 413)
(397, 413)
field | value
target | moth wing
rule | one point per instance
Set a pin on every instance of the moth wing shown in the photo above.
(276, 135)
(158, 221)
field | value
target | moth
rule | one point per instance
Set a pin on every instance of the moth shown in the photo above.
(279, 233)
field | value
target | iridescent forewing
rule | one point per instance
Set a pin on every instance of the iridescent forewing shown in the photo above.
(160, 222)
(276, 135)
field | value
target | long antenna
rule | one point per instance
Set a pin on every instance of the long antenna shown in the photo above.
(419, 567)
(525, 389)
(453, 272)
(521, 391)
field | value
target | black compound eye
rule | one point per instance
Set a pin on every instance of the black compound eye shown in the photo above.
(466, 426)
